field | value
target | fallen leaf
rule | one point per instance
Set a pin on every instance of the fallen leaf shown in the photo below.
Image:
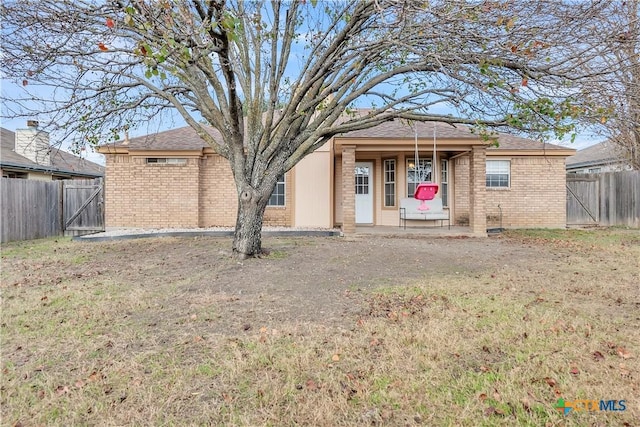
(597, 356)
(482, 397)
(335, 358)
(110, 23)
(79, 384)
(311, 385)
(60, 390)
(550, 381)
(194, 316)
(574, 371)
(25, 82)
(624, 353)
(493, 411)
(102, 47)
(624, 372)
(525, 82)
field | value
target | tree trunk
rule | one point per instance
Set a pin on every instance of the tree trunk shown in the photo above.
(247, 241)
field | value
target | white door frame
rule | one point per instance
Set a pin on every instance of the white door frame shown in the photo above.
(364, 192)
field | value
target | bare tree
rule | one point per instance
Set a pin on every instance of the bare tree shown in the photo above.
(614, 98)
(279, 79)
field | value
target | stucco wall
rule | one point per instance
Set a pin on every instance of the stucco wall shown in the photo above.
(313, 190)
(536, 196)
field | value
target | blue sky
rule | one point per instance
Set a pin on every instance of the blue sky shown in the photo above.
(583, 140)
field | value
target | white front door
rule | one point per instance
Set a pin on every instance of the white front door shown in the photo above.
(364, 192)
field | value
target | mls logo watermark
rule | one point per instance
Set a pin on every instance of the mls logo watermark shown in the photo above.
(588, 405)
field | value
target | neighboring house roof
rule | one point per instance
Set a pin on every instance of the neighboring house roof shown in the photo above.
(62, 163)
(602, 153)
(185, 138)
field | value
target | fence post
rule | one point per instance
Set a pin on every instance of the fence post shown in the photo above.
(61, 206)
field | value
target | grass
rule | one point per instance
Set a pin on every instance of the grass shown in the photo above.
(494, 347)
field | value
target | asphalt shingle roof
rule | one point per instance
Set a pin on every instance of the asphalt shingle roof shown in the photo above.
(185, 138)
(61, 161)
(397, 129)
(604, 152)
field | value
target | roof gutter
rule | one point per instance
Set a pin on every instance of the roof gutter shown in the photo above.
(48, 170)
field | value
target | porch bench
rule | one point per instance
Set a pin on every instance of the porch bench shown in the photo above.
(409, 210)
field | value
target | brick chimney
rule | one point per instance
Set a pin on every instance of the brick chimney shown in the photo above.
(33, 144)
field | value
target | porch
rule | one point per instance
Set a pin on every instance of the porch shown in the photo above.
(426, 231)
(386, 170)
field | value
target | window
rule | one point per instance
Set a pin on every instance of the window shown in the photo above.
(498, 173)
(277, 197)
(444, 182)
(362, 180)
(417, 175)
(390, 182)
(166, 161)
(595, 170)
(15, 175)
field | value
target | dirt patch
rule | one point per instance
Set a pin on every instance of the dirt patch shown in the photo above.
(369, 330)
(315, 280)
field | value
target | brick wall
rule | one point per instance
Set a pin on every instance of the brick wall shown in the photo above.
(201, 193)
(218, 196)
(461, 190)
(150, 195)
(536, 197)
(348, 190)
(282, 216)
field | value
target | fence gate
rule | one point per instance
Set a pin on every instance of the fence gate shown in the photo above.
(583, 200)
(83, 206)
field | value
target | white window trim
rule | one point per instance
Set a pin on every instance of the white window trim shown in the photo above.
(284, 193)
(406, 172)
(508, 173)
(165, 161)
(394, 182)
(445, 193)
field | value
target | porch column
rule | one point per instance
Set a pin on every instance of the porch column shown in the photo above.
(348, 189)
(478, 191)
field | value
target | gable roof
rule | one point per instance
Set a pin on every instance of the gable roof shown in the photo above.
(61, 162)
(186, 138)
(599, 154)
(398, 129)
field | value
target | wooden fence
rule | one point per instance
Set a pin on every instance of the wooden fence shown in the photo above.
(31, 209)
(606, 199)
